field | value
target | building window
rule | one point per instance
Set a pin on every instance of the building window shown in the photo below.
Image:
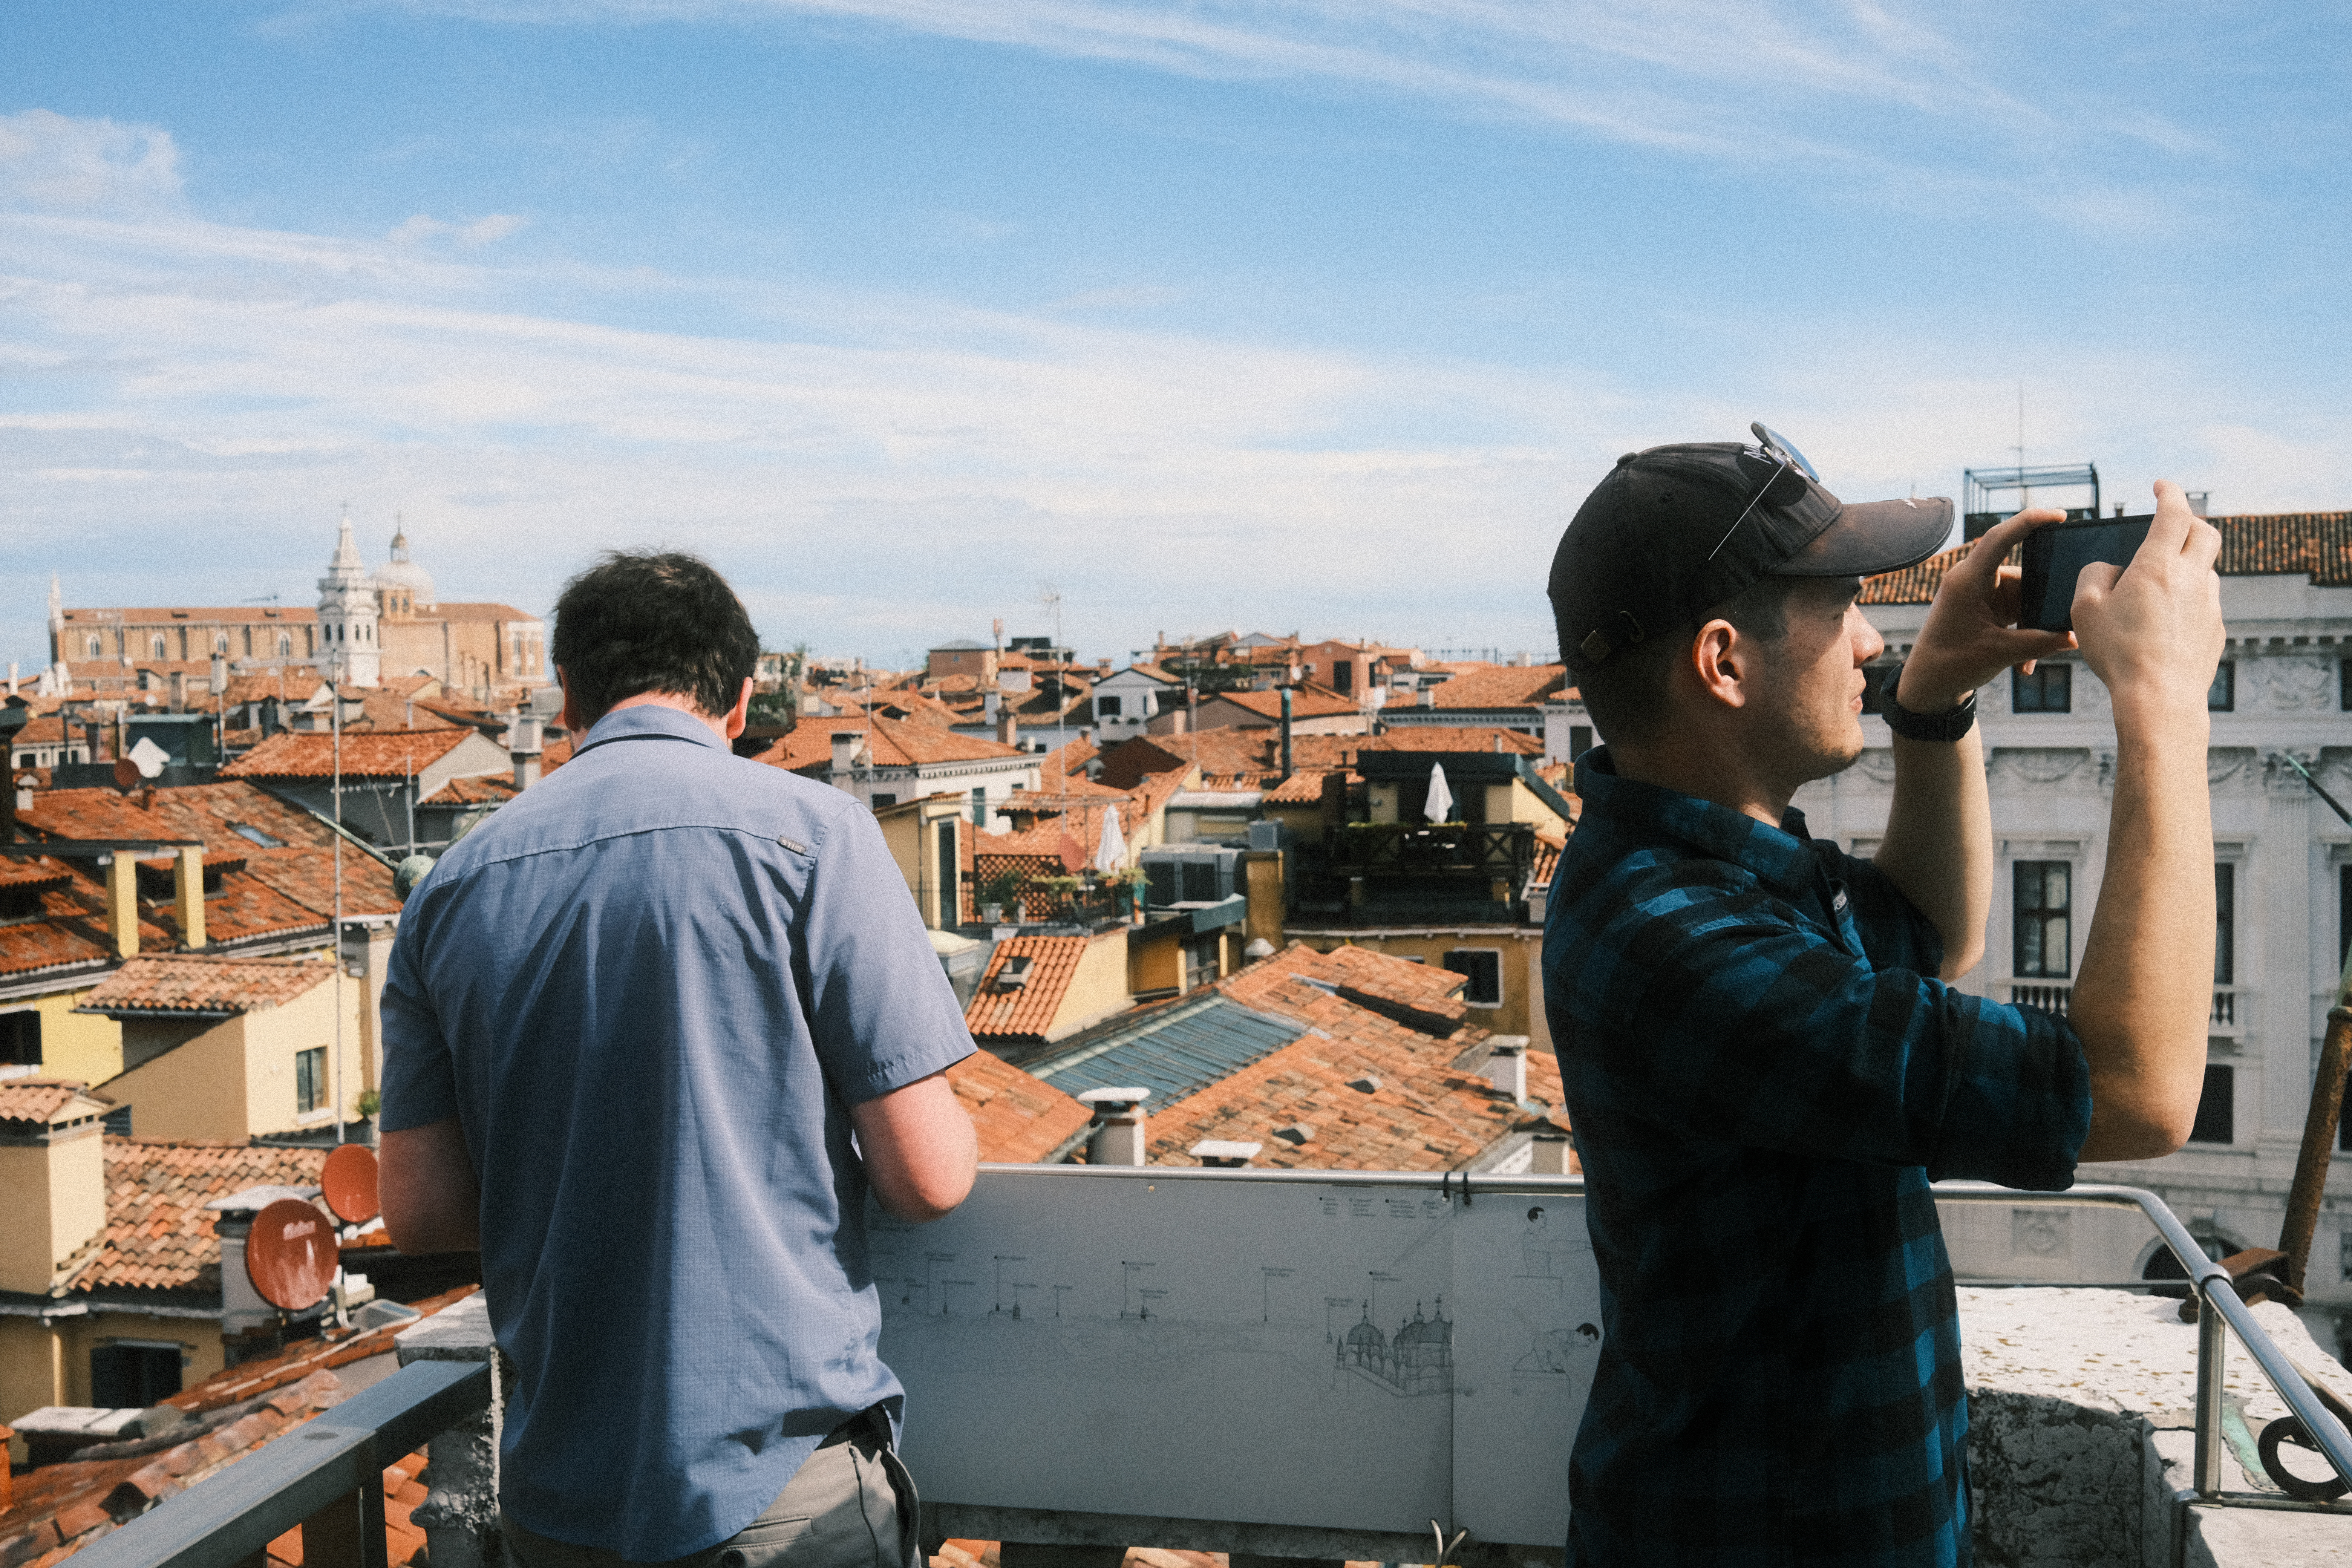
(882, 800)
(20, 1039)
(950, 878)
(311, 1078)
(1107, 707)
(2343, 1253)
(1579, 740)
(2344, 686)
(979, 807)
(1481, 969)
(285, 644)
(133, 1375)
(2222, 697)
(2045, 905)
(2225, 923)
(2048, 690)
(97, 648)
(155, 645)
(220, 642)
(2217, 1110)
(1343, 674)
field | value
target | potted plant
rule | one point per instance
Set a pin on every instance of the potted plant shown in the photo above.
(1001, 895)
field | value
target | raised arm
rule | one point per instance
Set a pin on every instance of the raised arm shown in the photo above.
(1938, 844)
(2152, 634)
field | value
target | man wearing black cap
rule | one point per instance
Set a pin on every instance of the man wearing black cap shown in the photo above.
(1763, 1062)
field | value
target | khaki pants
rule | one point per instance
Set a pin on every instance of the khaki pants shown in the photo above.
(852, 1505)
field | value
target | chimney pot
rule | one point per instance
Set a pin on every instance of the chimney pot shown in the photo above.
(1119, 1132)
(1223, 1155)
(1506, 1069)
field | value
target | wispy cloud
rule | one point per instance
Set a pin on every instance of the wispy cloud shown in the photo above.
(1880, 91)
(421, 229)
(53, 160)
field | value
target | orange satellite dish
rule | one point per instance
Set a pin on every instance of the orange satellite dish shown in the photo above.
(290, 1254)
(349, 1181)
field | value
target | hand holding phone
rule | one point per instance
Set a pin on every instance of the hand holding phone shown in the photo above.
(2054, 559)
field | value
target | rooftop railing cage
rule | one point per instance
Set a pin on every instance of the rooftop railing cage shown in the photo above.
(2029, 486)
(1104, 1484)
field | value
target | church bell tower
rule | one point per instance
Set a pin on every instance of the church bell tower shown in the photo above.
(347, 617)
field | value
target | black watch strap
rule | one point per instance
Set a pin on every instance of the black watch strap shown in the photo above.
(1912, 726)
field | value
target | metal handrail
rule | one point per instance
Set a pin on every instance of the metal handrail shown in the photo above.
(339, 1455)
(2220, 1312)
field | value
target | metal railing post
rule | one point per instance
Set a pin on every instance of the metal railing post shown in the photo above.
(2213, 1368)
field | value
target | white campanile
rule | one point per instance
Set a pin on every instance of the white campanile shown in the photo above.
(347, 615)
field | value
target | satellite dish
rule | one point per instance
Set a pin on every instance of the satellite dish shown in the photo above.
(349, 1181)
(290, 1255)
(126, 773)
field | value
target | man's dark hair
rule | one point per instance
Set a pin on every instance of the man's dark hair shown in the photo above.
(1627, 694)
(653, 620)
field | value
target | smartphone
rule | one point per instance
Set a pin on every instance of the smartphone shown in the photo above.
(2056, 556)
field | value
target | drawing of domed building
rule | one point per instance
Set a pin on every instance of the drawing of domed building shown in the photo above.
(1418, 1360)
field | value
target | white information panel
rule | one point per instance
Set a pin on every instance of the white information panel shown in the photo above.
(1368, 1355)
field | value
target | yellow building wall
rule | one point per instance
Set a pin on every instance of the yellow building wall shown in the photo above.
(52, 1201)
(1521, 1012)
(32, 1372)
(1157, 964)
(199, 1339)
(1098, 989)
(76, 1046)
(236, 1080)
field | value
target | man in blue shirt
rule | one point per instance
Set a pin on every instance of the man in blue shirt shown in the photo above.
(1763, 1059)
(633, 1024)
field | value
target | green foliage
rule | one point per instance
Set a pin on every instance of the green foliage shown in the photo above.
(369, 1103)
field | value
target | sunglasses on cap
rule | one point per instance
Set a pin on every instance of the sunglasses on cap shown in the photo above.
(1786, 460)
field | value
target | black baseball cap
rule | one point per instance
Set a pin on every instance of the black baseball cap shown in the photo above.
(1674, 531)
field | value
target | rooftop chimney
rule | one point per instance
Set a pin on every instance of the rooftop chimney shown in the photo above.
(122, 903)
(1008, 728)
(844, 756)
(1550, 1157)
(188, 894)
(1507, 1068)
(219, 673)
(1221, 1155)
(1118, 1125)
(523, 745)
(52, 1193)
(179, 691)
(12, 677)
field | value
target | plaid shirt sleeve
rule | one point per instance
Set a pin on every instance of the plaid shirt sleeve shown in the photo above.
(1765, 1030)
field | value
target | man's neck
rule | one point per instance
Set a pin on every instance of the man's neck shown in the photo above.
(678, 702)
(1711, 772)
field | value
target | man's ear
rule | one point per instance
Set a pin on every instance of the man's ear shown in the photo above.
(740, 715)
(1718, 660)
(570, 717)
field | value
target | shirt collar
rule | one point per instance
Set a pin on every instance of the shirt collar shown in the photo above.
(650, 719)
(1781, 857)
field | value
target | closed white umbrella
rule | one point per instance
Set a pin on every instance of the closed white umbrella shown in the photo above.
(1440, 799)
(1111, 856)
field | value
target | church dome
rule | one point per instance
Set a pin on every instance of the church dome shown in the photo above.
(1364, 1335)
(405, 576)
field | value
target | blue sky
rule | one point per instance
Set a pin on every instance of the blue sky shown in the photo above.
(1287, 315)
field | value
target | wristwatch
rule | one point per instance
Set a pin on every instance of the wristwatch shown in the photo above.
(1912, 726)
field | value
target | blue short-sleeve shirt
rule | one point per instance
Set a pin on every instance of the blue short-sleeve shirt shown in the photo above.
(649, 989)
(1764, 1076)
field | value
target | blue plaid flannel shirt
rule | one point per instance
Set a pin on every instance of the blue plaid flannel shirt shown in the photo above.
(1763, 1078)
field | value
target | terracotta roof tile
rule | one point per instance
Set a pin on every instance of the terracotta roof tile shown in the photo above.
(38, 1099)
(310, 754)
(2253, 545)
(158, 1236)
(197, 983)
(1002, 1012)
(488, 790)
(1020, 1118)
(1425, 1114)
(894, 745)
(1307, 700)
(1501, 686)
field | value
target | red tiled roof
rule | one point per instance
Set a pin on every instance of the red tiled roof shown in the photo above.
(895, 743)
(158, 1236)
(1309, 700)
(198, 982)
(380, 753)
(137, 616)
(35, 1099)
(1454, 738)
(1020, 1118)
(1025, 1012)
(1304, 787)
(488, 789)
(37, 872)
(1501, 686)
(1422, 1114)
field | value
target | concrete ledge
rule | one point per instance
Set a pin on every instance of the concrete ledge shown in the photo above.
(1044, 1527)
(2082, 1432)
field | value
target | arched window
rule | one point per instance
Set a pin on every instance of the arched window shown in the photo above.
(97, 648)
(220, 642)
(285, 644)
(155, 645)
